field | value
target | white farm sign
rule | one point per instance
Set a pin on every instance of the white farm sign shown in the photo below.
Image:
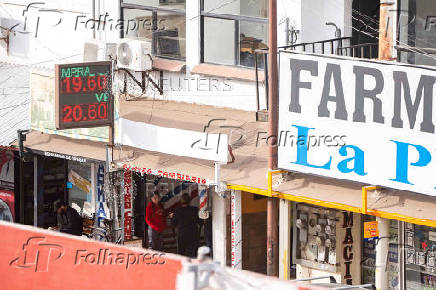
(371, 122)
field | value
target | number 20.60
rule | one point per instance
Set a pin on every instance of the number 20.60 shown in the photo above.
(80, 113)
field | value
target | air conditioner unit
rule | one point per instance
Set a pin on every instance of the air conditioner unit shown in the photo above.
(94, 50)
(134, 55)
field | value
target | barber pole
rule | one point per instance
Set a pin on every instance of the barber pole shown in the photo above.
(203, 212)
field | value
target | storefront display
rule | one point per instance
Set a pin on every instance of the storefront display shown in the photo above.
(7, 185)
(420, 270)
(327, 241)
(315, 237)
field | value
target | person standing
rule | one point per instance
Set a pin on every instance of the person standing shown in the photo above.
(68, 219)
(185, 218)
(155, 219)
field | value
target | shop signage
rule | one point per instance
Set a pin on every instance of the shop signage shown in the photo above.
(168, 174)
(384, 112)
(83, 95)
(66, 157)
(101, 209)
(201, 145)
(127, 205)
(348, 246)
(370, 231)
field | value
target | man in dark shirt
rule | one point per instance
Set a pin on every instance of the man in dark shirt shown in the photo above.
(185, 218)
(69, 220)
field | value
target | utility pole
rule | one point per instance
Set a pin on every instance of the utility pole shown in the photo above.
(385, 43)
(272, 205)
(385, 49)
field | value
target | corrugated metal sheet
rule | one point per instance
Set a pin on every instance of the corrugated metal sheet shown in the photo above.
(14, 101)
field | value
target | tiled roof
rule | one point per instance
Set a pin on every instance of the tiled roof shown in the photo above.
(14, 101)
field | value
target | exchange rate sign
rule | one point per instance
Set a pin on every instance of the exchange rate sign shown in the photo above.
(84, 95)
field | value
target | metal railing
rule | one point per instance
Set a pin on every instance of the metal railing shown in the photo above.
(328, 46)
(364, 50)
(335, 46)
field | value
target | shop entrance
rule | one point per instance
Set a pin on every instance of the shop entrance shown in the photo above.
(170, 192)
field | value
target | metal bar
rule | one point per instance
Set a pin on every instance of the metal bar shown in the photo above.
(364, 200)
(332, 279)
(322, 47)
(237, 43)
(256, 68)
(35, 191)
(152, 8)
(313, 47)
(321, 41)
(272, 203)
(401, 254)
(235, 17)
(332, 47)
(266, 64)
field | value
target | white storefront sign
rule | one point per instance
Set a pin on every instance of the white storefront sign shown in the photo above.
(365, 121)
(173, 141)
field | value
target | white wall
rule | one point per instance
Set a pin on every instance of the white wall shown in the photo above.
(64, 43)
(55, 38)
(315, 13)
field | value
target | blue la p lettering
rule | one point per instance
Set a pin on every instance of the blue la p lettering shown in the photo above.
(403, 160)
(302, 149)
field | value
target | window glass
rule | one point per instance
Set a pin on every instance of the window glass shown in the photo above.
(420, 245)
(166, 30)
(79, 175)
(255, 8)
(219, 41)
(417, 29)
(173, 4)
(252, 36)
(232, 42)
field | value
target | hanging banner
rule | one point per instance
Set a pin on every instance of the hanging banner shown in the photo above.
(102, 209)
(7, 197)
(127, 205)
(365, 121)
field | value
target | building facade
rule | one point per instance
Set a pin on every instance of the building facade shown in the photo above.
(193, 124)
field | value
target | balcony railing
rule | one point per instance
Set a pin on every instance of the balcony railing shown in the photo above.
(335, 46)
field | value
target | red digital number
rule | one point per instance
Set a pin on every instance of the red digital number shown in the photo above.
(67, 86)
(102, 82)
(102, 111)
(68, 112)
(77, 113)
(91, 83)
(77, 84)
(92, 111)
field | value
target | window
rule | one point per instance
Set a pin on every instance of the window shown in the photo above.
(232, 31)
(161, 22)
(417, 31)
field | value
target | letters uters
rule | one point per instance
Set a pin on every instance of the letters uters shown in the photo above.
(363, 91)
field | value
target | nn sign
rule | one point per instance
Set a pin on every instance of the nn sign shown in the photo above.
(384, 114)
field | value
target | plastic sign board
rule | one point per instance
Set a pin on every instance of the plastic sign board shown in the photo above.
(370, 231)
(84, 95)
(366, 121)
